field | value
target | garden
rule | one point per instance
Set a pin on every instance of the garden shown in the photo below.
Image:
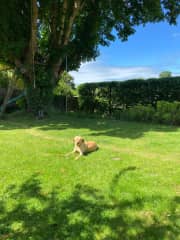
(128, 189)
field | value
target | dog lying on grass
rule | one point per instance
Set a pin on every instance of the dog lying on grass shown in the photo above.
(82, 147)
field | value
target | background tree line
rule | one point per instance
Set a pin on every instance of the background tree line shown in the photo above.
(36, 37)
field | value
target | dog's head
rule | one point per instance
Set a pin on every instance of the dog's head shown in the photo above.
(78, 141)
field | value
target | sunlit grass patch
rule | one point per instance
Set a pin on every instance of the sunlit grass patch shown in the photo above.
(128, 189)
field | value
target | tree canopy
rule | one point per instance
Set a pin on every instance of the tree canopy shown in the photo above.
(165, 74)
(65, 86)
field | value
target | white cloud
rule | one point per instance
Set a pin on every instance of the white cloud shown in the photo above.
(176, 34)
(98, 72)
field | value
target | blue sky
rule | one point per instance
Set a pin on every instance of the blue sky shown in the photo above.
(151, 50)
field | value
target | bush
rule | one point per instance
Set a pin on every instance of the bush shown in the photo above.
(137, 113)
(87, 101)
(39, 97)
(21, 103)
(165, 112)
(168, 112)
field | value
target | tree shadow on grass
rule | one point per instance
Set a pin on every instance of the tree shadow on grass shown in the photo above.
(27, 212)
(98, 127)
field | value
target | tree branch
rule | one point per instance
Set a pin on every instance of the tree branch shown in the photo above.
(33, 39)
(76, 9)
(66, 30)
(62, 26)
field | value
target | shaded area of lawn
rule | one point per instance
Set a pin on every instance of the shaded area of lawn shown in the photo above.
(98, 127)
(27, 212)
(132, 197)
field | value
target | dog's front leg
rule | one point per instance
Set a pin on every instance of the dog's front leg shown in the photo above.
(68, 154)
(80, 154)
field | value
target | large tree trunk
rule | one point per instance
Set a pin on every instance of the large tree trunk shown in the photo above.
(10, 90)
(26, 67)
(29, 76)
(33, 42)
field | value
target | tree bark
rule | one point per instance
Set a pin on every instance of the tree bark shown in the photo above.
(27, 67)
(10, 90)
(33, 41)
(65, 33)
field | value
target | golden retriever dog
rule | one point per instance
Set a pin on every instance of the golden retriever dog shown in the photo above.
(82, 147)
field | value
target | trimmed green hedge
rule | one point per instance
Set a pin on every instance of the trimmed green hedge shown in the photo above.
(108, 97)
(165, 112)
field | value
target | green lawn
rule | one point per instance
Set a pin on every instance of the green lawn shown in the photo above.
(127, 190)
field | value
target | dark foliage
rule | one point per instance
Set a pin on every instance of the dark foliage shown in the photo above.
(108, 97)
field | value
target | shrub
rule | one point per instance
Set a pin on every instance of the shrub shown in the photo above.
(21, 103)
(39, 97)
(165, 112)
(138, 113)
